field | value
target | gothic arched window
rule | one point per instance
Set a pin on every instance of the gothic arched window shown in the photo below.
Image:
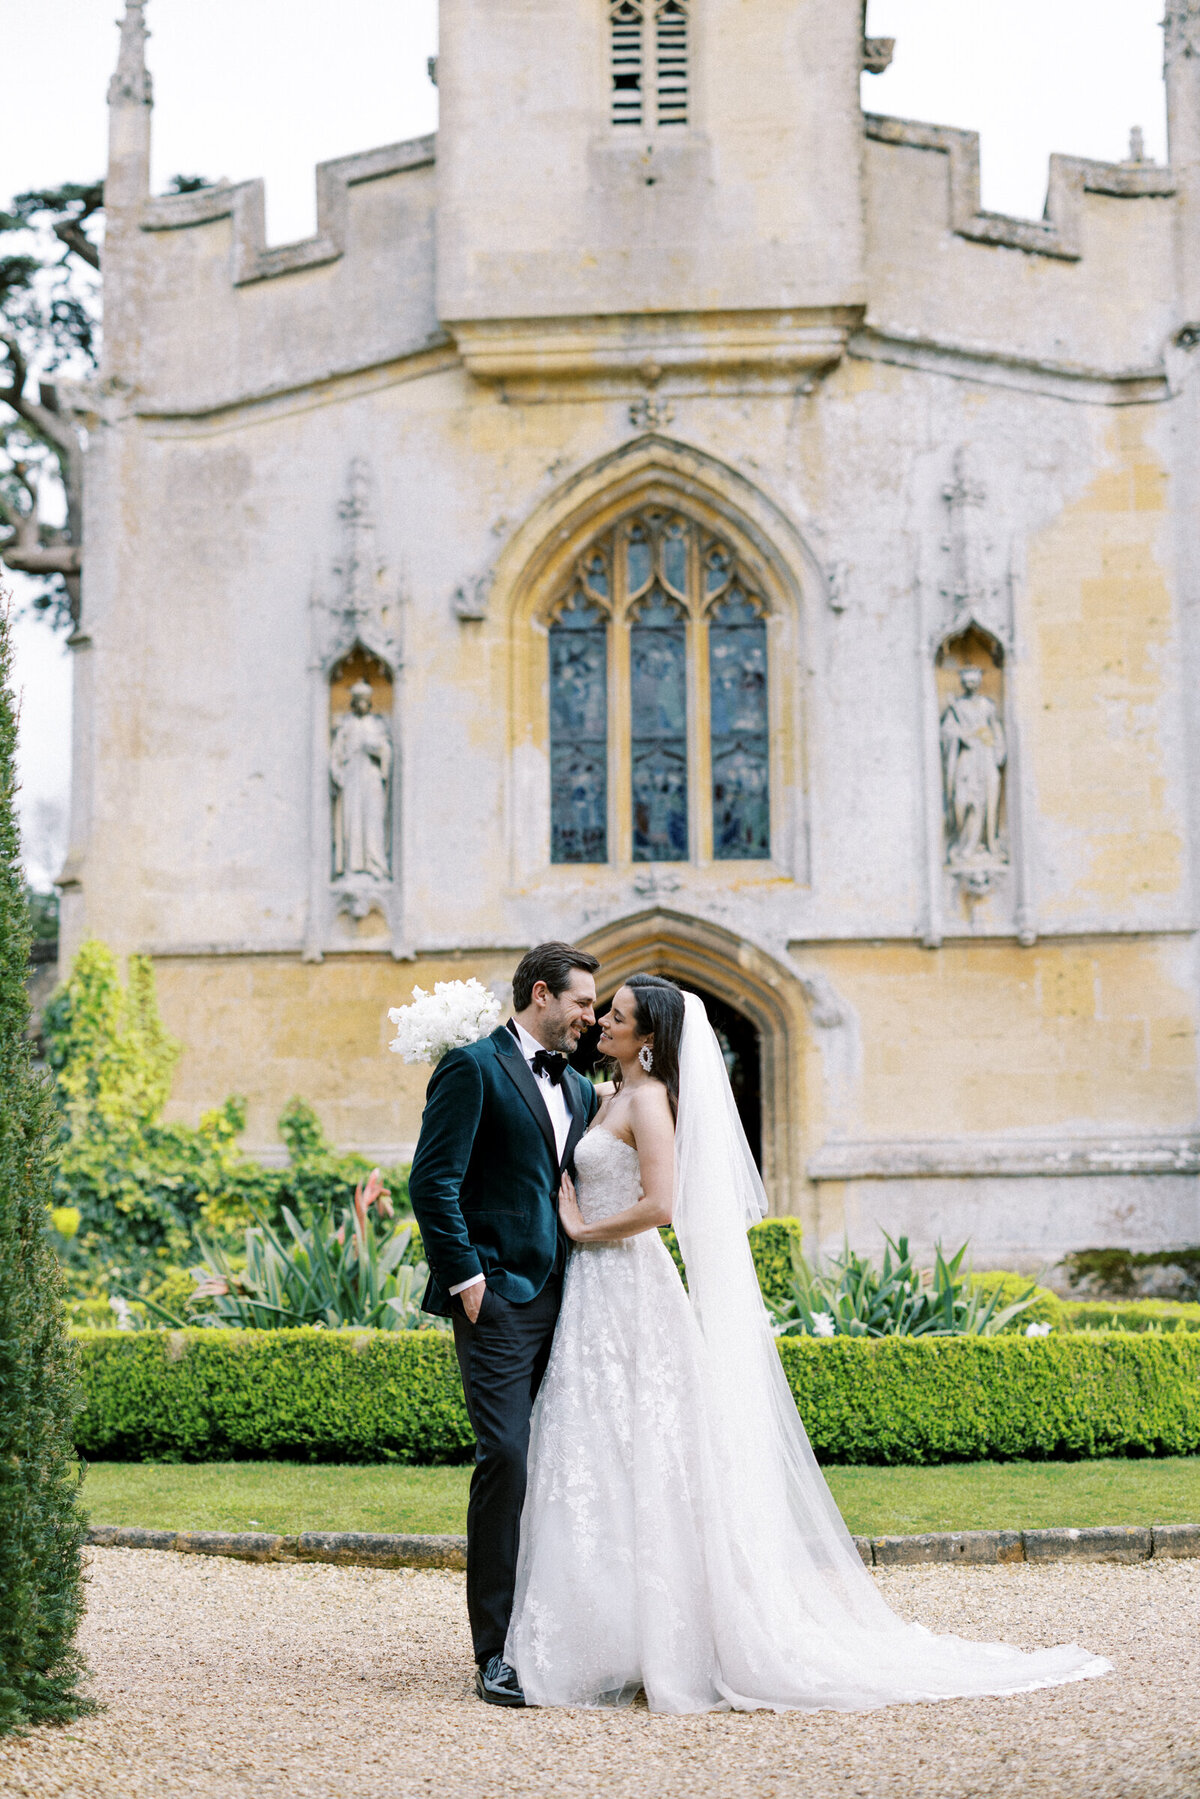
(648, 57)
(659, 702)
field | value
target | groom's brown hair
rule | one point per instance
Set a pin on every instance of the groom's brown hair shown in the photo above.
(552, 963)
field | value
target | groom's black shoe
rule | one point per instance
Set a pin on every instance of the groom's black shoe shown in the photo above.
(497, 1683)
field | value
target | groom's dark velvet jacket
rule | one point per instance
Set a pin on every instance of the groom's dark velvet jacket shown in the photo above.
(484, 1180)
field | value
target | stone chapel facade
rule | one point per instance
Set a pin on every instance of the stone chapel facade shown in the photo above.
(664, 511)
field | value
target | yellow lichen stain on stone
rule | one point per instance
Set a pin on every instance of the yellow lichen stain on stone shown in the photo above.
(271, 1027)
(1099, 623)
(858, 375)
(983, 1038)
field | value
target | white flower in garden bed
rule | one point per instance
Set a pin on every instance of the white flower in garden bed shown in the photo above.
(823, 1325)
(1038, 1330)
(432, 1024)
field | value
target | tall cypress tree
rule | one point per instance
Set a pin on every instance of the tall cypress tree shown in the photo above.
(41, 1526)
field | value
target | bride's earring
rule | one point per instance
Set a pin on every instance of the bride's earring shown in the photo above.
(646, 1057)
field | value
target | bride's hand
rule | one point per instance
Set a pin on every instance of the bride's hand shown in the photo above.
(568, 1211)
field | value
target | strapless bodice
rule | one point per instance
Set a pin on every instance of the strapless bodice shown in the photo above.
(607, 1176)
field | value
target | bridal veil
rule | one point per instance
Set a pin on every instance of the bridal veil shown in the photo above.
(798, 1621)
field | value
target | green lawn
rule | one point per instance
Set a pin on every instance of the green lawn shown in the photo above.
(290, 1497)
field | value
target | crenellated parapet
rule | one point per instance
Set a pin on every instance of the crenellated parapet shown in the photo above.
(1060, 232)
(245, 203)
(1085, 309)
(1081, 304)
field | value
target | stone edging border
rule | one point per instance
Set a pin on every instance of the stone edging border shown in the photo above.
(976, 1548)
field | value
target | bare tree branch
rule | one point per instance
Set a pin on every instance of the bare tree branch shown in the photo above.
(71, 233)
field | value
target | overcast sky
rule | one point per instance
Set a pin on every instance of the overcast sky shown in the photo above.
(271, 87)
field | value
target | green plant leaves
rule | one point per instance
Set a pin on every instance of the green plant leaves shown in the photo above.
(850, 1297)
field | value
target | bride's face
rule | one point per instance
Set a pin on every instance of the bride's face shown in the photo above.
(619, 1035)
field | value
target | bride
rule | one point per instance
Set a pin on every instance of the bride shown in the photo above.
(677, 1533)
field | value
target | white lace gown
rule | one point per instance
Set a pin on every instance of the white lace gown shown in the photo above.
(644, 1558)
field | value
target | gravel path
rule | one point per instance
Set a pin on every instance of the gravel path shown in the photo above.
(309, 1682)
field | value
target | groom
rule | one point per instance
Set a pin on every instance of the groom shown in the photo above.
(502, 1118)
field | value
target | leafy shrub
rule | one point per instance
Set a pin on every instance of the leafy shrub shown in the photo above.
(851, 1297)
(1133, 1274)
(292, 1395)
(1044, 1308)
(771, 1245)
(354, 1274)
(1133, 1315)
(345, 1396)
(41, 1526)
(144, 1190)
(961, 1399)
(318, 1177)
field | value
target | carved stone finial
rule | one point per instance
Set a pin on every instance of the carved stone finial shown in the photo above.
(966, 587)
(359, 565)
(877, 52)
(362, 608)
(131, 84)
(1181, 30)
(1137, 144)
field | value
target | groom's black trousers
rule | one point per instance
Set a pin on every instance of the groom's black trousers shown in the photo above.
(502, 1357)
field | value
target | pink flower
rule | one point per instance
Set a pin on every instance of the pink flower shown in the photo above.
(369, 1193)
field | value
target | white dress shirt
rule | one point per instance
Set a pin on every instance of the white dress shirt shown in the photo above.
(555, 1099)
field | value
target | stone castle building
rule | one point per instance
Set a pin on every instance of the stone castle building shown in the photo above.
(665, 511)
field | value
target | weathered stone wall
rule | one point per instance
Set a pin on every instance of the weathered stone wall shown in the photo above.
(937, 422)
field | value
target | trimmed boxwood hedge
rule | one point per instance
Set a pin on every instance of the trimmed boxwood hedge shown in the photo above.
(291, 1395)
(965, 1399)
(771, 1245)
(363, 1396)
(1131, 1314)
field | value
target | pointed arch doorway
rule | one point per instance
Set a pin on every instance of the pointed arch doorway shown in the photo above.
(740, 1046)
(758, 1011)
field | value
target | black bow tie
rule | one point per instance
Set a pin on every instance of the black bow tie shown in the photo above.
(546, 1062)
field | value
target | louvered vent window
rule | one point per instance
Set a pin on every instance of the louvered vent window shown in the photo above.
(671, 62)
(626, 24)
(649, 81)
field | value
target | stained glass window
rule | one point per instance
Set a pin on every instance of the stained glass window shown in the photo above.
(579, 725)
(666, 590)
(737, 652)
(658, 704)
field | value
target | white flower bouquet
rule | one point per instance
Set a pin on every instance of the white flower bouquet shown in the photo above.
(432, 1024)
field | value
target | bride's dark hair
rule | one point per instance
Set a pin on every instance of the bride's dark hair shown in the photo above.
(658, 1012)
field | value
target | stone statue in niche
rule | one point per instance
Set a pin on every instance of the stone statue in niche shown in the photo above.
(974, 753)
(360, 772)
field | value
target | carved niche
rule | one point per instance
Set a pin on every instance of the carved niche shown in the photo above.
(970, 653)
(355, 889)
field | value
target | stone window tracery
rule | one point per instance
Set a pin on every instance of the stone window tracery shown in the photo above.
(659, 700)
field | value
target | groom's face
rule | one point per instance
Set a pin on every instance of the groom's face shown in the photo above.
(565, 1016)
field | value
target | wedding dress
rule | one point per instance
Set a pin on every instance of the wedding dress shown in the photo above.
(677, 1533)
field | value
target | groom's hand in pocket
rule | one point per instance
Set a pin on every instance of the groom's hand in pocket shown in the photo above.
(472, 1299)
